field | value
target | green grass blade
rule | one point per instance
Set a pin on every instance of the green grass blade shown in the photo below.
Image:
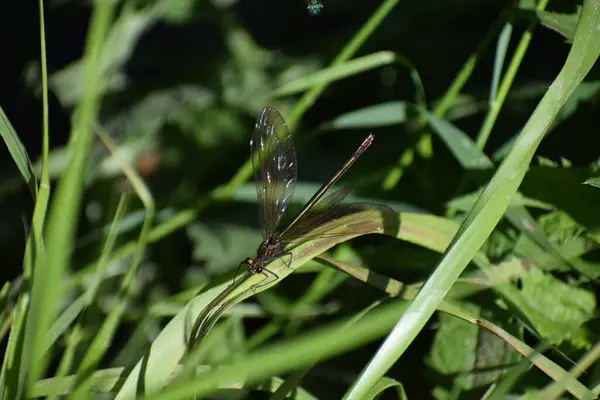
(509, 77)
(99, 344)
(18, 152)
(501, 49)
(110, 380)
(13, 373)
(50, 268)
(76, 308)
(385, 384)
(350, 68)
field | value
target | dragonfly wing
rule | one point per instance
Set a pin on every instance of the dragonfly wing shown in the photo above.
(275, 168)
(326, 219)
(348, 219)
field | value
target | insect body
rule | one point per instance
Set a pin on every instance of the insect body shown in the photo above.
(314, 7)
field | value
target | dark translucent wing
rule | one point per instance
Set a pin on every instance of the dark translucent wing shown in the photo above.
(323, 211)
(362, 218)
(275, 170)
(320, 221)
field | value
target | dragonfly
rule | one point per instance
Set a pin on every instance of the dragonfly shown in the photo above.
(275, 174)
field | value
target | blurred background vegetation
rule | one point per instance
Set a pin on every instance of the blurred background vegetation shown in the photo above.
(182, 83)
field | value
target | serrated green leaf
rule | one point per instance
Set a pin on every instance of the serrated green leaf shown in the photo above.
(557, 310)
(455, 344)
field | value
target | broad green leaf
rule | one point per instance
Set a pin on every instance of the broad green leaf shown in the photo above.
(472, 355)
(455, 345)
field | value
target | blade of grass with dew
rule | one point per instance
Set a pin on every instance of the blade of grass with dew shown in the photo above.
(106, 332)
(491, 205)
(50, 268)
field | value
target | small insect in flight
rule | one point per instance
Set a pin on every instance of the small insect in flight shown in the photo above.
(314, 7)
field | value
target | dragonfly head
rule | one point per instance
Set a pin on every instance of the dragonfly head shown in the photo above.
(252, 265)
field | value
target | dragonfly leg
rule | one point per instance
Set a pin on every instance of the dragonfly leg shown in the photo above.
(266, 273)
(236, 272)
(289, 263)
